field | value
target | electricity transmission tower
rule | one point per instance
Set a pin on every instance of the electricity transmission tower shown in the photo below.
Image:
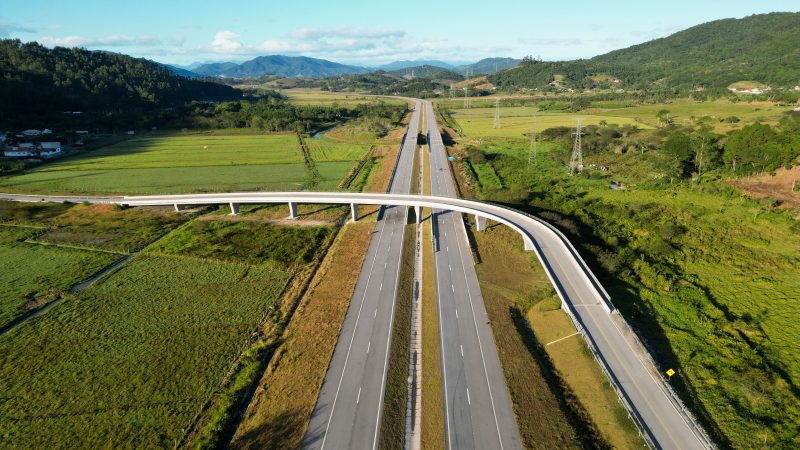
(496, 123)
(533, 152)
(452, 93)
(576, 163)
(467, 101)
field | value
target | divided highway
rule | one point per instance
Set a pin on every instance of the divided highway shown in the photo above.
(478, 412)
(350, 403)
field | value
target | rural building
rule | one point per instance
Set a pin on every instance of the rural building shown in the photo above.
(24, 150)
(50, 149)
(32, 133)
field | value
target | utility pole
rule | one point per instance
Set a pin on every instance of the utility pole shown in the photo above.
(466, 105)
(533, 152)
(452, 93)
(496, 123)
(576, 163)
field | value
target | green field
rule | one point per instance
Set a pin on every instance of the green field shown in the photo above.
(46, 248)
(130, 361)
(516, 121)
(181, 163)
(323, 98)
(33, 275)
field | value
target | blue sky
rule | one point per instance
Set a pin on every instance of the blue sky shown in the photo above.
(361, 32)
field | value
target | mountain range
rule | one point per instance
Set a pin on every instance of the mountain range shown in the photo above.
(306, 67)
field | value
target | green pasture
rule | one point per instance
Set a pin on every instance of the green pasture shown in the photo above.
(130, 361)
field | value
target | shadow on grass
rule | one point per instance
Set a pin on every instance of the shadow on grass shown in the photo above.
(274, 433)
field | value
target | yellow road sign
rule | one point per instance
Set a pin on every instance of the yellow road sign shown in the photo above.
(670, 373)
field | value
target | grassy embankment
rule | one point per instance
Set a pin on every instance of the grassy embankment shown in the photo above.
(705, 275)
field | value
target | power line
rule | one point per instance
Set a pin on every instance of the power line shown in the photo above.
(496, 123)
(576, 163)
(533, 152)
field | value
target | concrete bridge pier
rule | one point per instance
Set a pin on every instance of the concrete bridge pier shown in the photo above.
(234, 208)
(353, 212)
(480, 222)
(179, 207)
(292, 210)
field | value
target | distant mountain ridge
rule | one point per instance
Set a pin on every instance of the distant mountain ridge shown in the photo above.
(284, 66)
(489, 65)
(427, 71)
(406, 64)
(763, 48)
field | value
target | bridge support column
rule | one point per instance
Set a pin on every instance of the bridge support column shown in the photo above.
(234, 208)
(480, 223)
(353, 212)
(292, 210)
(179, 207)
(417, 212)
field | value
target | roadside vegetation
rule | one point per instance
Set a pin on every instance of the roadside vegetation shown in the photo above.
(393, 422)
(705, 275)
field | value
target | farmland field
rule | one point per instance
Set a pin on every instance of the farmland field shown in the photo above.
(517, 120)
(32, 275)
(323, 98)
(130, 361)
(180, 163)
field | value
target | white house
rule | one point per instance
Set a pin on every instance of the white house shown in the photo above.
(50, 149)
(25, 150)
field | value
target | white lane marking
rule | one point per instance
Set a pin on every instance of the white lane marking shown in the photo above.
(384, 265)
(447, 249)
(477, 333)
(369, 344)
(375, 314)
(456, 313)
(359, 394)
(469, 402)
(381, 288)
(453, 288)
(451, 267)
(350, 345)
(462, 350)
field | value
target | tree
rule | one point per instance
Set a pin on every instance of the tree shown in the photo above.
(756, 146)
(679, 151)
(663, 118)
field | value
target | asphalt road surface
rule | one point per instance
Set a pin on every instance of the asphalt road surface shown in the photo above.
(349, 407)
(478, 411)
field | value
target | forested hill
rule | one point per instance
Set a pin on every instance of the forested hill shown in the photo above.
(36, 82)
(763, 48)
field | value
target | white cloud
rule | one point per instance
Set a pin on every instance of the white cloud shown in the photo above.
(346, 32)
(7, 29)
(116, 40)
(224, 42)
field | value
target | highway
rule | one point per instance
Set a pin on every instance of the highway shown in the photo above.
(348, 410)
(478, 412)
